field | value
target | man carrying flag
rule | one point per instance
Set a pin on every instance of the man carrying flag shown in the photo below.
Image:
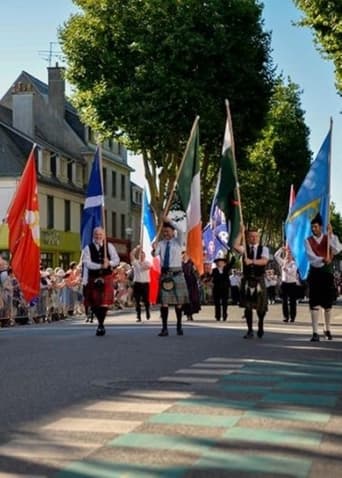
(24, 232)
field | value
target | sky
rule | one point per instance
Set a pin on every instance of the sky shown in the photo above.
(28, 29)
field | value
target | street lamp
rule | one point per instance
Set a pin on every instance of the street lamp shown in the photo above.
(129, 233)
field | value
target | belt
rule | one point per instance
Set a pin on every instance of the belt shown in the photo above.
(172, 272)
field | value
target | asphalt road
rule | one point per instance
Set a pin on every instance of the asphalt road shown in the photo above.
(208, 404)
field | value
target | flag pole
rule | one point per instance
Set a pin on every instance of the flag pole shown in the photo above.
(328, 199)
(105, 255)
(230, 125)
(170, 198)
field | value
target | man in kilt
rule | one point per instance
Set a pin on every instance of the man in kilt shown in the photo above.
(320, 249)
(98, 264)
(253, 290)
(173, 288)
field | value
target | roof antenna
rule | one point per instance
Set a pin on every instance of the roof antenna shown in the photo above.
(50, 54)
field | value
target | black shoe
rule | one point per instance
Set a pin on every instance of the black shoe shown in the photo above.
(292, 320)
(100, 331)
(218, 320)
(180, 332)
(225, 318)
(249, 335)
(163, 333)
(328, 335)
(314, 338)
(138, 320)
(260, 333)
(285, 320)
(148, 316)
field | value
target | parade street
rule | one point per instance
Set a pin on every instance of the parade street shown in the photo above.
(206, 404)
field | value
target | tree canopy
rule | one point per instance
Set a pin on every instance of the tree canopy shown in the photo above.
(280, 157)
(325, 18)
(144, 69)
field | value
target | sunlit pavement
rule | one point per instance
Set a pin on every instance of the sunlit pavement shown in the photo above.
(208, 404)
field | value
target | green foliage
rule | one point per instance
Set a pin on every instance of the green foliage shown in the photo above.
(143, 70)
(325, 18)
(279, 158)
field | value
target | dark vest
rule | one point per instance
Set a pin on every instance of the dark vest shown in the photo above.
(98, 256)
(253, 270)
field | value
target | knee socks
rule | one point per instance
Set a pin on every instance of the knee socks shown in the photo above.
(315, 315)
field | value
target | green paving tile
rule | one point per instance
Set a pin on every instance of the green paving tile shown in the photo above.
(282, 414)
(310, 386)
(272, 464)
(244, 388)
(279, 437)
(301, 399)
(250, 377)
(212, 402)
(106, 469)
(158, 441)
(194, 420)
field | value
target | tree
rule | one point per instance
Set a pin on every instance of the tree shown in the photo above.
(325, 18)
(144, 69)
(279, 158)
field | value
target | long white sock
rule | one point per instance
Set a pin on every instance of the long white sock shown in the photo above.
(327, 317)
(315, 315)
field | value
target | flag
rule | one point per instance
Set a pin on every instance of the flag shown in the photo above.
(226, 196)
(215, 235)
(189, 193)
(94, 202)
(24, 232)
(292, 198)
(149, 232)
(312, 197)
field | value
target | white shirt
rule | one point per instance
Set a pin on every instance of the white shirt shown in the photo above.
(176, 248)
(289, 270)
(141, 270)
(318, 261)
(114, 260)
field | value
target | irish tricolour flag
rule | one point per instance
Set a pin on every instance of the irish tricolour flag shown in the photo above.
(189, 193)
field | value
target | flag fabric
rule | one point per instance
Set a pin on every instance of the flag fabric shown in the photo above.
(292, 198)
(149, 232)
(226, 197)
(24, 232)
(215, 235)
(94, 202)
(189, 193)
(312, 197)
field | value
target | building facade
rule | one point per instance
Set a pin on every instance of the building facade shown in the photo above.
(32, 112)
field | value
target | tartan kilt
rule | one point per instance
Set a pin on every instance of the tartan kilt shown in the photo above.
(253, 294)
(178, 295)
(99, 297)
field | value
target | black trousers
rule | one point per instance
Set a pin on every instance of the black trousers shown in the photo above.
(289, 297)
(141, 294)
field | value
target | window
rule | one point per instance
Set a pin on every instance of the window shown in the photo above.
(46, 258)
(114, 184)
(67, 216)
(50, 213)
(104, 179)
(113, 224)
(69, 171)
(123, 187)
(123, 226)
(53, 164)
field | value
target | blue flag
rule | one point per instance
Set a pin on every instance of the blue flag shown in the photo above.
(215, 235)
(312, 197)
(94, 202)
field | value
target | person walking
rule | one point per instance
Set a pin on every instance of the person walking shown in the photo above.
(191, 279)
(235, 282)
(289, 283)
(321, 249)
(141, 281)
(253, 294)
(173, 288)
(99, 258)
(220, 275)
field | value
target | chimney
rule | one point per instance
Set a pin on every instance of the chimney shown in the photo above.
(22, 108)
(56, 89)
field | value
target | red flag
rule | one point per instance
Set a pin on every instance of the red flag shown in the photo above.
(23, 226)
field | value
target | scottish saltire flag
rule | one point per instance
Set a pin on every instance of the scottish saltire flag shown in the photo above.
(149, 233)
(94, 202)
(312, 197)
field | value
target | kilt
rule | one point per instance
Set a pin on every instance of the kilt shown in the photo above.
(179, 294)
(95, 296)
(253, 294)
(321, 288)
